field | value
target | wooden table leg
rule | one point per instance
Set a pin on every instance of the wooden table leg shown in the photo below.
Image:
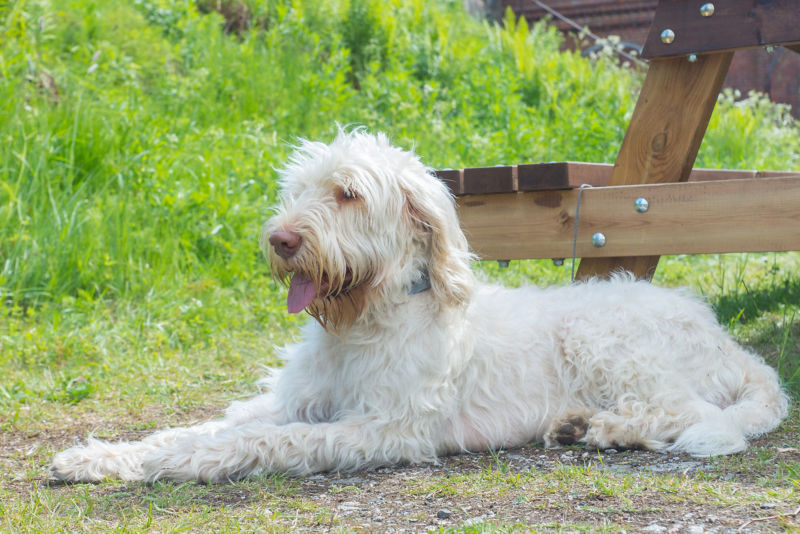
(663, 137)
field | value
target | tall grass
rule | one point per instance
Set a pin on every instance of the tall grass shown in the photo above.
(138, 140)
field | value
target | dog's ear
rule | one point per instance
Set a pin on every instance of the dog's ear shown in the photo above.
(432, 209)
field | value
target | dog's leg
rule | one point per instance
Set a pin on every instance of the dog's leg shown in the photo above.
(635, 424)
(296, 448)
(608, 430)
(568, 429)
(98, 460)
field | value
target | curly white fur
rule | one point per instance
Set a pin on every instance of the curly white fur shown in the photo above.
(388, 374)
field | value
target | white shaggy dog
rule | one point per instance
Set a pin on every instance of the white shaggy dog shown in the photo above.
(411, 357)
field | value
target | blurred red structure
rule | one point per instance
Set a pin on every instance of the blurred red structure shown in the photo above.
(775, 73)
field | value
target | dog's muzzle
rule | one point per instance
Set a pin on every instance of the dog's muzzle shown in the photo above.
(285, 242)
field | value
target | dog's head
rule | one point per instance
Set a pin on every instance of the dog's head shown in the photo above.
(360, 223)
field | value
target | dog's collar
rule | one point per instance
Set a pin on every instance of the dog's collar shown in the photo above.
(423, 284)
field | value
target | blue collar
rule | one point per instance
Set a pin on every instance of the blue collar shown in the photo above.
(423, 284)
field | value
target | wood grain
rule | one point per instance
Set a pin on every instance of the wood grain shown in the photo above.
(479, 180)
(718, 216)
(662, 140)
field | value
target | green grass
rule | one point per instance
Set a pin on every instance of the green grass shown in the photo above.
(137, 155)
(138, 142)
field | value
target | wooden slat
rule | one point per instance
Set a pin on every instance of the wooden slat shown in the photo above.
(562, 175)
(453, 179)
(479, 180)
(701, 217)
(571, 174)
(794, 48)
(734, 24)
(705, 175)
(662, 140)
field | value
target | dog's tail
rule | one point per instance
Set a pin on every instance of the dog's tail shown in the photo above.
(759, 404)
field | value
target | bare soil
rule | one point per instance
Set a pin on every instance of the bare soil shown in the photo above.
(569, 489)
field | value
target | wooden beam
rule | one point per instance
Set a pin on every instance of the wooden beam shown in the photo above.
(453, 179)
(702, 217)
(734, 24)
(662, 140)
(563, 175)
(502, 179)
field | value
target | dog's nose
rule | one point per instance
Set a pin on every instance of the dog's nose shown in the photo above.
(285, 242)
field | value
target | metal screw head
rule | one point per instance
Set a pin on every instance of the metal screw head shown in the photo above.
(667, 36)
(692, 58)
(707, 9)
(558, 262)
(598, 240)
(641, 205)
(770, 49)
(503, 263)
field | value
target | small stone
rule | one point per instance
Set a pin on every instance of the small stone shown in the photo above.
(444, 513)
(351, 481)
(349, 506)
(478, 519)
(768, 505)
(654, 527)
(611, 451)
(695, 529)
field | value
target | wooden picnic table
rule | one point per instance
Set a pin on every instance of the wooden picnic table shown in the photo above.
(529, 211)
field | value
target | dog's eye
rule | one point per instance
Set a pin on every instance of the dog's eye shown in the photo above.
(346, 194)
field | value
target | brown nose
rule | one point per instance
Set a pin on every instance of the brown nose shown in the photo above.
(285, 242)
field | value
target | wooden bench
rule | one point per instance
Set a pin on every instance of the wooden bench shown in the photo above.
(528, 211)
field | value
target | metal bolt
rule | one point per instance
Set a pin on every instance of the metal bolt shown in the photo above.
(641, 205)
(667, 36)
(558, 262)
(503, 263)
(770, 49)
(707, 9)
(598, 240)
(692, 58)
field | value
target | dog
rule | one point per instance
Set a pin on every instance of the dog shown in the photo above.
(410, 357)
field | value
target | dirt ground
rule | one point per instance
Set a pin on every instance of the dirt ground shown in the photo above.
(384, 504)
(569, 489)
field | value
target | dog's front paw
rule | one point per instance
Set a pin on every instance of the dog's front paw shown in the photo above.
(97, 461)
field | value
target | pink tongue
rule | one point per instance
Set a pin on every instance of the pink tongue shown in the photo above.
(301, 292)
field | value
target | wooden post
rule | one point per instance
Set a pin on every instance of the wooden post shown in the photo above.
(662, 140)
